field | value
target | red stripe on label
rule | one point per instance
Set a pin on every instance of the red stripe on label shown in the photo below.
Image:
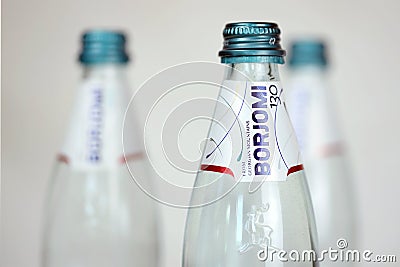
(63, 158)
(294, 169)
(214, 168)
(129, 157)
(331, 150)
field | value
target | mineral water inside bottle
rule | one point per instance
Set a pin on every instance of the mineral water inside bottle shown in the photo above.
(311, 108)
(96, 215)
(250, 196)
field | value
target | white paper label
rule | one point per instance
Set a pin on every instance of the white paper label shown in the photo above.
(95, 132)
(251, 137)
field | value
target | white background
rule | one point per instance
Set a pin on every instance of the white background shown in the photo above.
(40, 42)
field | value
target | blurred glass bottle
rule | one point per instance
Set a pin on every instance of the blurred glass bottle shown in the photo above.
(310, 109)
(96, 215)
(250, 197)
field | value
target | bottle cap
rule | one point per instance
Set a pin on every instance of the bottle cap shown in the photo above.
(103, 46)
(308, 52)
(252, 42)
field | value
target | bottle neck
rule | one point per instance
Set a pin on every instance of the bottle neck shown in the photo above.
(104, 71)
(307, 72)
(256, 72)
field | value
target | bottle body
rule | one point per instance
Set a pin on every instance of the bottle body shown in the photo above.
(96, 214)
(99, 218)
(251, 194)
(232, 231)
(310, 108)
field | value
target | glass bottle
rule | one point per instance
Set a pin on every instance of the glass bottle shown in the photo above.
(250, 197)
(315, 124)
(96, 215)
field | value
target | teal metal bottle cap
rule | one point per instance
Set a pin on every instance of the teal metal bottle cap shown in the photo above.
(252, 42)
(103, 46)
(308, 52)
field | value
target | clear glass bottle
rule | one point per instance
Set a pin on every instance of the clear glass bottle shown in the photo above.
(310, 108)
(251, 196)
(96, 215)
